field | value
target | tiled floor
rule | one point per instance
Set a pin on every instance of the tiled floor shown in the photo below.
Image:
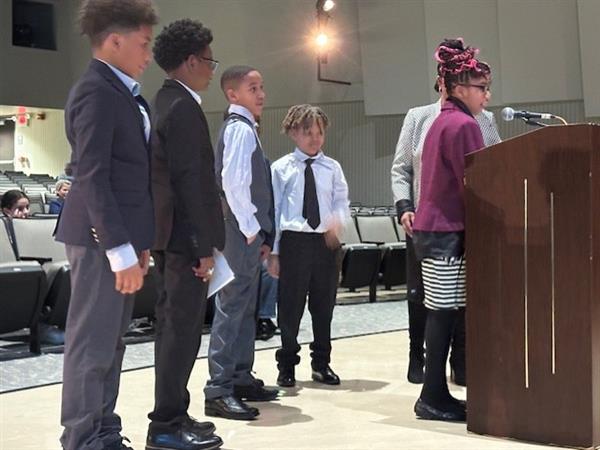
(372, 409)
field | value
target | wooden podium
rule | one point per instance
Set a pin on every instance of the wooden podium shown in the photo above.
(533, 287)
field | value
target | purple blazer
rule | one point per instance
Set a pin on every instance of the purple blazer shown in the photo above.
(452, 135)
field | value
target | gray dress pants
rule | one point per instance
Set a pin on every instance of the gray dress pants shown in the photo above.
(231, 348)
(97, 320)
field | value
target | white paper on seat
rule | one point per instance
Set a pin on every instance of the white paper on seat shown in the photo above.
(222, 275)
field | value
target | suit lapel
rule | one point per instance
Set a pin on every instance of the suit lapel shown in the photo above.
(110, 76)
(182, 92)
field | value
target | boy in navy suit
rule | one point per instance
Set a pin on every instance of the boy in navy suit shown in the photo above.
(107, 220)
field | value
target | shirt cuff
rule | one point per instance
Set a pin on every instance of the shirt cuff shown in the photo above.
(275, 249)
(403, 206)
(121, 257)
(251, 228)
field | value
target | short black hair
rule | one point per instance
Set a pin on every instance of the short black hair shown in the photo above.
(233, 76)
(178, 40)
(98, 18)
(10, 198)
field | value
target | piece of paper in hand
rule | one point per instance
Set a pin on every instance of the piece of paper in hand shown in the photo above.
(222, 276)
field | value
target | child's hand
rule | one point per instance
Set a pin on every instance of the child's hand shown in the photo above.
(273, 266)
(205, 268)
(331, 240)
(265, 251)
(129, 280)
(333, 233)
(144, 261)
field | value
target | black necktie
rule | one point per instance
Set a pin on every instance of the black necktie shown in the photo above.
(310, 209)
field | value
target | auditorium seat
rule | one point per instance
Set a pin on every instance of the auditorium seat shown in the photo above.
(380, 230)
(22, 286)
(35, 242)
(360, 261)
(40, 245)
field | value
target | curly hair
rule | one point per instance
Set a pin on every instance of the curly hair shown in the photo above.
(98, 18)
(304, 116)
(178, 40)
(457, 63)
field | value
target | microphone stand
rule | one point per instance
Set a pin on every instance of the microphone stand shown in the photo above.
(534, 123)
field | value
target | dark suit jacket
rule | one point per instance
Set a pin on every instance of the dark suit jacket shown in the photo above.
(188, 212)
(111, 165)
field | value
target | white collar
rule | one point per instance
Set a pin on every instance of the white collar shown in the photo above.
(242, 111)
(192, 93)
(301, 156)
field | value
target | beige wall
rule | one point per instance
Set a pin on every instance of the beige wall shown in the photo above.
(589, 37)
(272, 35)
(44, 143)
(35, 77)
(532, 45)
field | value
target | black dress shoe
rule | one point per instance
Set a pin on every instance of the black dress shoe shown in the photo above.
(182, 439)
(325, 376)
(265, 329)
(257, 381)
(428, 412)
(255, 393)
(229, 407)
(202, 428)
(286, 378)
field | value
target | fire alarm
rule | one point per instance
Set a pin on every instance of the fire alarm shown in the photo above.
(22, 120)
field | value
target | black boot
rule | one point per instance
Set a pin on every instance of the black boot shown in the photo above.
(417, 316)
(435, 402)
(458, 365)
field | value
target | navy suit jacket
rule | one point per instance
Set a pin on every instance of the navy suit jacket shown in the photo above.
(111, 194)
(189, 217)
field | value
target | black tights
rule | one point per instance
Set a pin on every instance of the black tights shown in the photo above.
(417, 318)
(438, 334)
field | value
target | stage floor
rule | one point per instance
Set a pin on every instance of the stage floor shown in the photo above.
(371, 409)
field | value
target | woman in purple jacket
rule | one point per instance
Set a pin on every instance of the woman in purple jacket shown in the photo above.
(439, 225)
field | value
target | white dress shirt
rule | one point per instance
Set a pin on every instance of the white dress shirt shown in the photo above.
(288, 193)
(239, 144)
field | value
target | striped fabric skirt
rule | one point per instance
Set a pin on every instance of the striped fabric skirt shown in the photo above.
(445, 282)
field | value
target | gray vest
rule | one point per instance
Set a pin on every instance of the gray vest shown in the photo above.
(261, 190)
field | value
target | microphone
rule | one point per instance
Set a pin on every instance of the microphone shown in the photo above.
(509, 114)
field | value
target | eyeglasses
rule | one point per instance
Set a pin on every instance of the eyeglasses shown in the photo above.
(482, 87)
(212, 63)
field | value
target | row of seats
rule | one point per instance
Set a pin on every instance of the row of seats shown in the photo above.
(35, 280)
(34, 183)
(374, 252)
(38, 187)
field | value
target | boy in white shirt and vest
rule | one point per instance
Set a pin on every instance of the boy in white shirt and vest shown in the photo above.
(244, 176)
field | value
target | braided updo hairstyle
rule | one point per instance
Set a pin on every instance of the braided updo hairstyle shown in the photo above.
(457, 64)
(303, 117)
